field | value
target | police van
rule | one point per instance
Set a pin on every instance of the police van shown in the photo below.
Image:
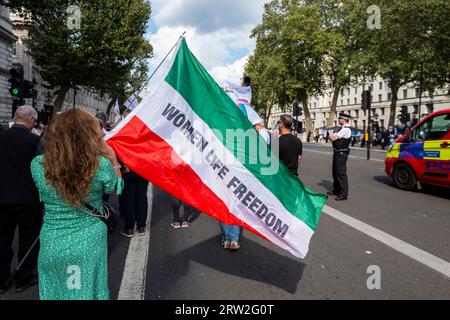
(422, 154)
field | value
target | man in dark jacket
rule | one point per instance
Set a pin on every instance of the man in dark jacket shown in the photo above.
(19, 199)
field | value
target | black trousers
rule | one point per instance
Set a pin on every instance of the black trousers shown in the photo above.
(340, 180)
(133, 201)
(176, 206)
(28, 218)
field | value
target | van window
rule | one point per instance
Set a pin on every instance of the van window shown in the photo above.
(433, 129)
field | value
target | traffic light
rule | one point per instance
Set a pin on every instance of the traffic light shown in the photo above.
(16, 81)
(297, 110)
(366, 100)
(404, 116)
(28, 89)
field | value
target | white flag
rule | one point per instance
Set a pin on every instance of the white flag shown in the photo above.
(131, 103)
(117, 108)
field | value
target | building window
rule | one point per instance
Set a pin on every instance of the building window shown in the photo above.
(14, 49)
(348, 91)
(371, 87)
(342, 102)
(382, 123)
(405, 94)
(364, 124)
(430, 108)
(380, 97)
(314, 105)
(348, 101)
(356, 113)
(417, 92)
(356, 90)
(380, 85)
(389, 97)
(382, 111)
(356, 100)
(431, 94)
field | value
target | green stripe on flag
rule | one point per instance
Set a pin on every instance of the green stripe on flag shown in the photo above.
(191, 80)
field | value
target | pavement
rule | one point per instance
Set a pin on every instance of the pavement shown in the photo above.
(383, 243)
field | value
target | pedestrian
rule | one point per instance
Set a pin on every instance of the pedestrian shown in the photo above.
(242, 96)
(178, 222)
(290, 147)
(19, 200)
(341, 150)
(134, 203)
(77, 168)
(308, 139)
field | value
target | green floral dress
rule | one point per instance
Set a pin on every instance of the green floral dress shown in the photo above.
(73, 253)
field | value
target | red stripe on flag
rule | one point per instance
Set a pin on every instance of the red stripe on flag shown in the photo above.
(147, 154)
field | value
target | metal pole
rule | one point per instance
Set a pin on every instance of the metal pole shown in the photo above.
(369, 129)
(157, 68)
(74, 96)
(420, 91)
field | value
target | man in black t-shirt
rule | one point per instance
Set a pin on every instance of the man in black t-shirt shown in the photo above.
(290, 147)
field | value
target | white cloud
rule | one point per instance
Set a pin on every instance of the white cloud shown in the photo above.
(231, 72)
(209, 16)
(218, 32)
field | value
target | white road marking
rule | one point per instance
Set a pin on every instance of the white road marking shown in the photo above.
(415, 253)
(350, 156)
(132, 286)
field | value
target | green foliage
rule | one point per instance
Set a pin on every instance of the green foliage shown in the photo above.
(101, 55)
(326, 44)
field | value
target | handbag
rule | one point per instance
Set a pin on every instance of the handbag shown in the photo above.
(110, 217)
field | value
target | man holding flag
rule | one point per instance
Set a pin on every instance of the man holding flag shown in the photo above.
(177, 139)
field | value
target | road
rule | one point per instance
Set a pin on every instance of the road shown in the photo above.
(403, 235)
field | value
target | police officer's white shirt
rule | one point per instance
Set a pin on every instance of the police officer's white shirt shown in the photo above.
(345, 132)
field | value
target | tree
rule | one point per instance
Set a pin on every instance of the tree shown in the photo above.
(98, 55)
(291, 30)
(413, 34)
(268, 83)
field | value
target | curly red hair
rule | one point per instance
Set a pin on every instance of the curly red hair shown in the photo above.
(72, 144)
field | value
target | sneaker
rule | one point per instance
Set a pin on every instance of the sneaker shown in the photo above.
(234, 245)
(141, 231)
(226, 244)
(185, 224)
(128, 233)
(176, 225)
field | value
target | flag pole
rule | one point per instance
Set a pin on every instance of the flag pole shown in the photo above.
(157, 68)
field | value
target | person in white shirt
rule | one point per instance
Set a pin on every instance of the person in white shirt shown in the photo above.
(341, 149)
(242, 97)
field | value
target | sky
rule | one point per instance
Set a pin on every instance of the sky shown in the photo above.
(217, 32)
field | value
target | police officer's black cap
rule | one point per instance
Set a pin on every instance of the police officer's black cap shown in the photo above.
(345, 116)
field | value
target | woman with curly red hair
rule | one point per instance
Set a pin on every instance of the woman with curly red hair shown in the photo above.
(77, 167)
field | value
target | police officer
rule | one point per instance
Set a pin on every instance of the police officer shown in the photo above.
(341, 142)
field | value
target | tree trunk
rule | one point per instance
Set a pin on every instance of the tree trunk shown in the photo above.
(393, 107)
(333, 111)
(308, 121)
(110, 105)
(60, 97)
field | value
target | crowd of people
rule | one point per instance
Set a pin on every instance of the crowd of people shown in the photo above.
(57, 180)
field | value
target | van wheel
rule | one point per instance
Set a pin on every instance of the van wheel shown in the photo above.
(404, 177)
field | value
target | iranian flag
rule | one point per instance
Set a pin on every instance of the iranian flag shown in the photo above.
(190, 139)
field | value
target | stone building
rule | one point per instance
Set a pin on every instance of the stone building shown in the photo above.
(45, 97)
(349, 101)
(7, 41)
